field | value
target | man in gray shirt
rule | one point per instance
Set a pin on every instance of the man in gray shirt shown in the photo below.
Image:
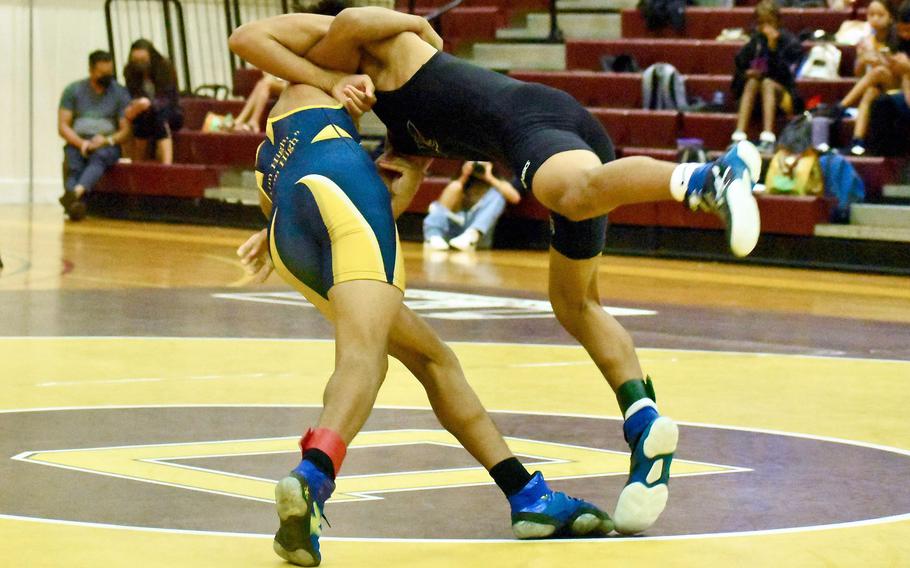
(92, 119)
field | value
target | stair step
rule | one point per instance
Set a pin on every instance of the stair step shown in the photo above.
(896, 191)
(573, 26)
(893, 216)
(594, 5)
(862, 232)
(519, 56)
(234, 194)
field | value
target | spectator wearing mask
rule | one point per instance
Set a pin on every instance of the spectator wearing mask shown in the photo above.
(93, 120)
(765, 65)
(466, 212)
(152, 83)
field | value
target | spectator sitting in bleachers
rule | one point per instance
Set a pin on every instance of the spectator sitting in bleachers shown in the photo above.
(152, 82)
(872, 65)
(250, 117)
(466, 212)
(889, 130)
(766, 65)
(269, 87)
(93, 119)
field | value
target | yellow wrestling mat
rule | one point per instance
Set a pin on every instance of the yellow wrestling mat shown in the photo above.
(848, 402)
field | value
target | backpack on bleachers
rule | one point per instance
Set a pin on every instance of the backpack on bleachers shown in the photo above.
(843, 184)
(663, 88)
(823, 62)
(661, 13)
(795, 168)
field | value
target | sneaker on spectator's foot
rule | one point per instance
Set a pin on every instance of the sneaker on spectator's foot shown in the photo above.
(436, 243)
(67, 199)
(539, 512)
(766, 142)
(738, 136)
(645, 495)
(467, 241)
(77, 211)
(724, 187)
(300, 498)
(857, 147)
(73, 207)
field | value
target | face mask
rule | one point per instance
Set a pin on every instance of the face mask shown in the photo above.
(105, 80)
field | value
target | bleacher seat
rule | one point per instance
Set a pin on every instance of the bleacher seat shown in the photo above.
(689, 56)
(195, 109)
(236, 149)
(623, 90)
(707, 23)
(154, 179)
(780, 215)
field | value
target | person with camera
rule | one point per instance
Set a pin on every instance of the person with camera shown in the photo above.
(766, 65)
(466, 212)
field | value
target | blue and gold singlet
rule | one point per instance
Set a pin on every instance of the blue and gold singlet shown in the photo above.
(331, 218)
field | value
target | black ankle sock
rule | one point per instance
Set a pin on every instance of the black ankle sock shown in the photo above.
(321, 460)
(510, 475)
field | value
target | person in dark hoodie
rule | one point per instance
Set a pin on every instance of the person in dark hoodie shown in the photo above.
(152, 83)
(766, 65)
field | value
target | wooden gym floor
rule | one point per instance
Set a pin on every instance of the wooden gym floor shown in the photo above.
(151, 397)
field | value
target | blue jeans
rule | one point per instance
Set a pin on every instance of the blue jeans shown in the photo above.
(482, 216)
(86, 171)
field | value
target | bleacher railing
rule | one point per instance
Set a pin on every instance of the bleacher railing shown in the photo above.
(193, 34)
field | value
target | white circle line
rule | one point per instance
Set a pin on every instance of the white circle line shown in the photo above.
(809, 528)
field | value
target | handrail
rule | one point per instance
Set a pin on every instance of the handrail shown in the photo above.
(443, 9)
(168, 32)
(110, 33)
(181, 29)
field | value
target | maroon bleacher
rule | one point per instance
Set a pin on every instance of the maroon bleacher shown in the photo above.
(875, 171)
(623, 90)
(236, 149)
(154, 179)
(469, 24)
(708, 23)
(689, 56)
(780, 215)
(635, 127)
(196, 108)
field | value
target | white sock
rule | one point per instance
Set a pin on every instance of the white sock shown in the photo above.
(638, 405)
(680, 180)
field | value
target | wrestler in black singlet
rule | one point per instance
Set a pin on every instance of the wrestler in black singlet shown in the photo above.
(453, 109)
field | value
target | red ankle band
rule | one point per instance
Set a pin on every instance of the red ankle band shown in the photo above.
(328, 442)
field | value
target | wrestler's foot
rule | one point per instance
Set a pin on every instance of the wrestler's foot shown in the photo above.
(724, 187)
(645, 495)
(539, 512)
(300, 498)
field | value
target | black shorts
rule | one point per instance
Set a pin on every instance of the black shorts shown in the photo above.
(553, 122)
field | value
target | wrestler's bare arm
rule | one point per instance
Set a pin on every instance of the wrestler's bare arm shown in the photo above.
(277, 45)
(355, 29)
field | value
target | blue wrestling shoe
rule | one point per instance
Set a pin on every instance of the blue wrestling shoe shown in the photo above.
(724, 187)
(539, 512)
(300, 498)
(645, 495)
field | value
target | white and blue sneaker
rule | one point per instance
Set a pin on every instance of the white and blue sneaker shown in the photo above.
(645, 495)
(724, 187)
(540, 512)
